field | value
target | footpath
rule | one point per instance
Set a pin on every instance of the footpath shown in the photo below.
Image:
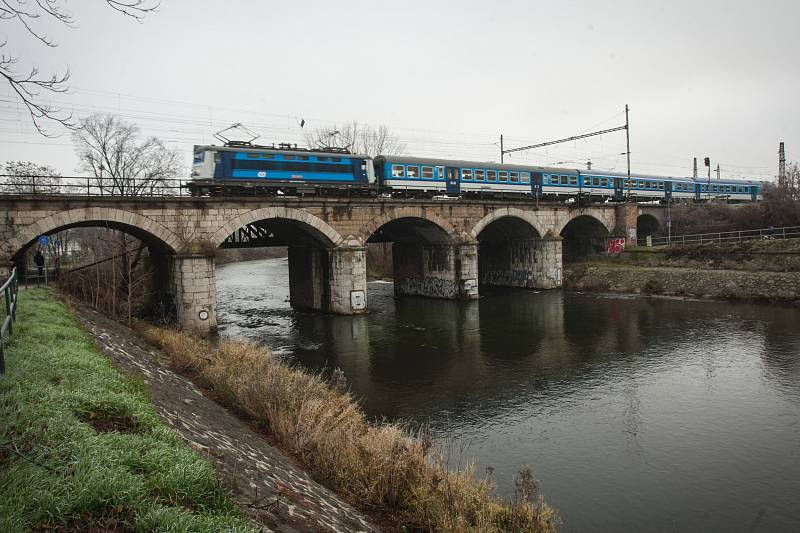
(266, 484)
(85, 407)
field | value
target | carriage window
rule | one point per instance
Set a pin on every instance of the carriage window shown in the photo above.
(491, 175)
(525, 177)
(661, 185)
(302, 157)
(466, 174)
(398, 171)
(596, 182)
(603, 182)
(479, 173)
(251, 155)
(413, 171)
(440, 171)
(573, 180)
(503, 175)
(513, 176)
(288, 157)
(427, 172)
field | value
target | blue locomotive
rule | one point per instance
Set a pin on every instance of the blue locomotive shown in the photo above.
(243, 169)
(246, 169)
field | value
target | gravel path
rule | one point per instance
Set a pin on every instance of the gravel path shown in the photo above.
(266, 484)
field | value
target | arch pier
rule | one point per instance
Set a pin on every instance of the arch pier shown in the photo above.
(513, 253)
(427, 259)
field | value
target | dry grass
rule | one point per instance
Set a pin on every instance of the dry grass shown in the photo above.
(382, 467)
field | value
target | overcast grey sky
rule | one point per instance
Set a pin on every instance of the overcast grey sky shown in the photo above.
(702, 78)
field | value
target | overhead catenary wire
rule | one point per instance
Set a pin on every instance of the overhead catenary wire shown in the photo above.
(196, 126)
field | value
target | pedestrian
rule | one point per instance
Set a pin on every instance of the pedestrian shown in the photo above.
(770, 231)
(38, 258)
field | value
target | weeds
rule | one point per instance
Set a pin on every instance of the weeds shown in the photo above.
(380, 466)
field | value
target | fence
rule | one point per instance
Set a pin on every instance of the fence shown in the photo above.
(90, 186)
(9, 291)
(788, 232)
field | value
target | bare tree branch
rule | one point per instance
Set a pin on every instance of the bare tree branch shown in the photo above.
(360, 139)
(31, 88)
(26, 177)
(110, 149)
(133, 8)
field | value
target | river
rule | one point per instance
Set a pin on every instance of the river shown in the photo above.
(636, 414)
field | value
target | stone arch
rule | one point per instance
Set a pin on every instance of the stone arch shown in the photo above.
(507, 212)
(647, 225)
(407, 212)
(583, 236)
(134, 223)
(601, 216)
(318, 225)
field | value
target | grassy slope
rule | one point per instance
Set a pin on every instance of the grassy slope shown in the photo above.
(57, 472)
(379, 467)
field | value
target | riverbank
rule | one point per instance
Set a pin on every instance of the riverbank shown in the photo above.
(81, 447)
(379, 468)
(747, 271)
(778, 287)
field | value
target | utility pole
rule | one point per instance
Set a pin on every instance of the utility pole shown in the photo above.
(694, 172)
(707, 163)
(781, 166)
(717, 171)
(502, 153)
(628, 149)
(588, 165)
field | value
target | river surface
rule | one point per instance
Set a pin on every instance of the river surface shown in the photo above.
(636, 414)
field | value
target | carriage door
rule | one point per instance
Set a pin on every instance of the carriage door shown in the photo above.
(536, 184)
(453, 185)
(753, 193)
(619, 191)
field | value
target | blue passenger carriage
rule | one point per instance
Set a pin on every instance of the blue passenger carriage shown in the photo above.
(286, 169)
(415, 176)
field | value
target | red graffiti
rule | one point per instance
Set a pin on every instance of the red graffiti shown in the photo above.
(615, 245)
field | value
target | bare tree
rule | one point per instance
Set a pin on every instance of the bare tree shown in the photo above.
(793, 181)
(30, 87)
(120, 162)
(26, 177)
(358, 138)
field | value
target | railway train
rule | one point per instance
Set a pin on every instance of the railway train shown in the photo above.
(245, 169)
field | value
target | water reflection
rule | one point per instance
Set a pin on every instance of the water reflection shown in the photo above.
(637, 414)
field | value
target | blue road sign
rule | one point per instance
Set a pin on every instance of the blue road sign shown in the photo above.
(44, 240)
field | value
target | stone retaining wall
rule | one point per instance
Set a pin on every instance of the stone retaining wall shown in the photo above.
(712, 284)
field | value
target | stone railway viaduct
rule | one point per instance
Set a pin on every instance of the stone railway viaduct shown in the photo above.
(441, 248)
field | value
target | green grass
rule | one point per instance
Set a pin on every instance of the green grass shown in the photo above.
(58, 472)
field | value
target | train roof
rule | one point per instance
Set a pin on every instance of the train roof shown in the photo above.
(276, 150)
(407, 160)
(670, 178)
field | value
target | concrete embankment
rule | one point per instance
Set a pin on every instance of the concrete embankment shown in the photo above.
(692, 282)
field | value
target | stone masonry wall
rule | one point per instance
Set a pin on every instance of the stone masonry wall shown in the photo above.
(195, 291)
(348, 280)
(547, 273)
(713, 284)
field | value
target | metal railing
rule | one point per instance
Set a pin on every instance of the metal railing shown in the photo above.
(88, 186)
(9, 290)
(787, 232)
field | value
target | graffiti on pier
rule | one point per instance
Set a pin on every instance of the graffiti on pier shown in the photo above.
(509, 278)
(434, 287)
